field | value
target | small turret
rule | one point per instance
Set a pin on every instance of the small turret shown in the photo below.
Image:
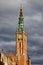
(29, 60)
(2, 55)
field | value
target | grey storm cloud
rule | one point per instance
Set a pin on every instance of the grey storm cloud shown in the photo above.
(33, 20)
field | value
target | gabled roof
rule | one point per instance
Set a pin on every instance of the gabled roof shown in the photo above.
(10, 55)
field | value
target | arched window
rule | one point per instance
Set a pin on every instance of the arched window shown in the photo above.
(20, 47)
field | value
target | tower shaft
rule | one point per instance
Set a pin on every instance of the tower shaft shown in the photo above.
(21, 40)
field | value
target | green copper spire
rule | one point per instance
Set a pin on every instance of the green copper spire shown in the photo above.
(21, 22)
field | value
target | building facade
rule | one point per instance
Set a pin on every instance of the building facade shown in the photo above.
(21, 46)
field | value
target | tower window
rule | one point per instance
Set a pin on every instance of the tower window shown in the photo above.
(20, 45)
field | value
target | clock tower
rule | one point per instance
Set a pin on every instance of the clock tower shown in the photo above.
(21, 39)
(22, 57)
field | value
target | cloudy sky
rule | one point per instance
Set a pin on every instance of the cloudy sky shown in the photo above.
(33, 20)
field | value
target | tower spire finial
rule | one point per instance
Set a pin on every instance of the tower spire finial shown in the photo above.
(21, 14)
(21, 4)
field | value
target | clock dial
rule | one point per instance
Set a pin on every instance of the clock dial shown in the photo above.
(19, 36)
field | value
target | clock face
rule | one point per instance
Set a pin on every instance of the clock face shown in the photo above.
(19, 36)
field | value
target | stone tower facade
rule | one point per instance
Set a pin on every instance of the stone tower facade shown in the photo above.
(21, 40)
